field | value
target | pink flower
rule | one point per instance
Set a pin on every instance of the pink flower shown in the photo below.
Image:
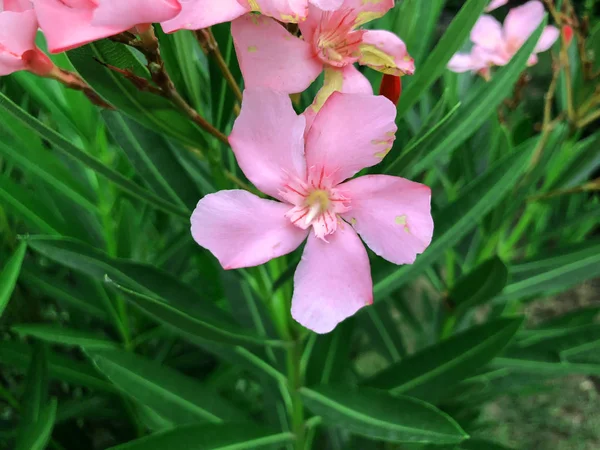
(308, 178)
(18, 28)
(496, 44)
(495, 4)
(197, 14)
(71, 23)
(271, 57)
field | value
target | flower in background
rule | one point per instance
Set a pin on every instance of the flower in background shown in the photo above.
(71, 23)
(18, 28)
(495, 44)
(495, 4)
(308, 178)
(272, 57)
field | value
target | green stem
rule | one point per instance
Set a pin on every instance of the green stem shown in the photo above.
(294, 361)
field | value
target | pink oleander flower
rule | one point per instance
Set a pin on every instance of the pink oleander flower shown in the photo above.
(71, 23)
(197, 14)
(18, 28)
(272, 57)
(495, 4)
(308, 176)
(496, 44)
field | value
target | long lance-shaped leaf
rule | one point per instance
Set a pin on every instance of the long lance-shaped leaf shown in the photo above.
(10, 274)
(61, 144)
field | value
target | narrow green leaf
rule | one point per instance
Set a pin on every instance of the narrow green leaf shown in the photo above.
(151, 110)
(379, 415)
(55, 334)
(36, 386)
(9, 275)
(462, 216)
(431, 373)
(63, 145)
(545, 368)
(480, 285)
(230, 436)
(476, 109)
(329, 355)
(183, 323)
(37, 435)
(174, 396)
(448, 45)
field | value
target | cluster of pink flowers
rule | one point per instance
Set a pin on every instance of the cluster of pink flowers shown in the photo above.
(305, 162)
(496, 44)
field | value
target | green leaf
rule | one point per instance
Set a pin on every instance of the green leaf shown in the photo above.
(9, 275)
(460, 217)
(329, 355)
(157, 293)
(231, 436)
(153, 160)
(36, 435)
(174, 396)
(19, 355)
(151, 110)
(480, 285)
(186, 324)
(63, 145)
(379, 415)
(538, 368)
(55, 334)
(431, 373)
(567, 267)
(448, 45)
(480, 104)
(29, 208)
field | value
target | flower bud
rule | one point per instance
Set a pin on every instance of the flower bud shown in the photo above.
(391, 88)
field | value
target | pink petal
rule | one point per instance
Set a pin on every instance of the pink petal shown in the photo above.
(243, 230)
(332, 281)
(270, 56)
(495, 4)
(17, 32)
(268, 140)
(350, 132)
(487, 33)
(282, 10)
(368, 10)
(327, 5)
(67, 27)
(348, 80)
(547, 39)
(462, 62)
(16, 5)
(391, 214)
(128, 14)
(522, 21)
(197, 14)
(386, 52)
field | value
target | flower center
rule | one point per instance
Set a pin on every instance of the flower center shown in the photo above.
(316, 203)
(336, 41)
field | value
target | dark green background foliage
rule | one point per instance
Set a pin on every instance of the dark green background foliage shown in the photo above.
(118, 331)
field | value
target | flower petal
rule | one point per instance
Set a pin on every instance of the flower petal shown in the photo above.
(282, 10)
(495, 4)
(197, 14)
(368, 10)
(462, 62)
(487, 33)
(348, 80)
(350, 132)
(128, 14)
(243, 230)
(268, 140)
(270, 56)
(327, 5)
(391, 214)
(66, 28)
(17, 35)
(547, 39)
(384, 51)
(523, 20)
(332, 281)
(16, 5)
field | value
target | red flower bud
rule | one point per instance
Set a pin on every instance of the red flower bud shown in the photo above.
(37, 62)
(391, 88)
(567, 34)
